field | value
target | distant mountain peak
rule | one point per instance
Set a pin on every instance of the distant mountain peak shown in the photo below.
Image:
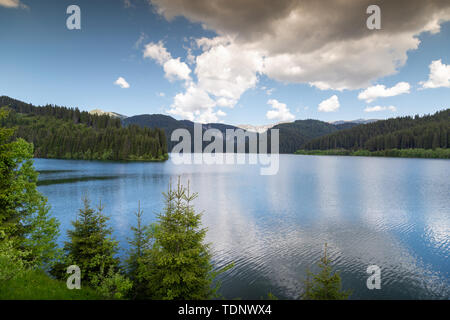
(111, 114)
(259, 129)
(358, 121)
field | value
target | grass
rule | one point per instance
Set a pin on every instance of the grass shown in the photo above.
(36, 285)
(437, 153)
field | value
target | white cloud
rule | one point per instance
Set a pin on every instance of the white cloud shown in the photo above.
(209, 116)
(157, 51)
(220, 113)
(223, 73)
(12, 4)
(380, 108)
(325, 44)
(195, 105)
(174, 69)
(286, 41)
(380, 91)
(279, 111)
(161, 94)
(329, 105)
(332, 66)
(192, 104)
(439, 75)
(121, 82)
(225, 70)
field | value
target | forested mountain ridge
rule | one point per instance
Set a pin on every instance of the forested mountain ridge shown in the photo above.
(426, 132)
(295, 134)
(169, 124)
(292, 135)
(68, 133)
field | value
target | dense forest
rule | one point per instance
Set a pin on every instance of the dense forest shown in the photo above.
(292, 135)
(68, 133)
(295, 134)
(426, 132)
(169, 124)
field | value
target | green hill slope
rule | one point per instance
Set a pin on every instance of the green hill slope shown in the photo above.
(66, 133)
(427, 132)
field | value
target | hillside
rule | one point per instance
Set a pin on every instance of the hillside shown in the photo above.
(427, 132)
(111, 114)
(37, 285)
(295, 134)
(67, 133)
(292, 135)
(169, 124)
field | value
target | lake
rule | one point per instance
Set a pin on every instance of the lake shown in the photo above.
(389, 212)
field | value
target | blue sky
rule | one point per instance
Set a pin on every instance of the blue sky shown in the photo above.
(44, 62)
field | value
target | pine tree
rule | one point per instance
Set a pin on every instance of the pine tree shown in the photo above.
(91, 247)
(178, 266)
(138, 244)
(24, 221)
(325, 285)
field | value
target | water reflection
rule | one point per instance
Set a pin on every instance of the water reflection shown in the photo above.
(389, 212)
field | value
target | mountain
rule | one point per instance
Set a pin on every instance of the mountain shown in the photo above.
(295, 134)
(108, 113)
(292, 134)
(258, 129)
(427, 132)
(357, 121)
(68, 133)
(169, 124)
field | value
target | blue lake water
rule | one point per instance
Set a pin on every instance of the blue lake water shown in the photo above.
(390, 212)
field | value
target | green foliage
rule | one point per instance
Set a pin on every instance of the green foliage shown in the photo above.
(404, 153)
(111, 285)
(18, 195)
(178, 264)
(169, 124)
(64, 133)
(294, 134)
(271, 296)
(139, 243)
(12, 260)
(427, 132)
(24, 220)
(33, 284)
(41, 239)
(91, 247)
(325, 285)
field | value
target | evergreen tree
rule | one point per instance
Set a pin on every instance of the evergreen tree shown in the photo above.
(325, 285)
(111, 284)
(138, 245)
(178, 265)
(25, 226)
(427, 132)
(41, 238)
(12, 260)
(91, 247)
(64, 133)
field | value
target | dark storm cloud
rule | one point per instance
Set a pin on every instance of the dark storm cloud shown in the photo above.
(324, 43)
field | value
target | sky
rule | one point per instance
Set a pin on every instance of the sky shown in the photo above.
(237, 62)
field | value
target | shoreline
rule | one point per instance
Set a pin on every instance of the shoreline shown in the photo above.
(437, 153)
(165, 158)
